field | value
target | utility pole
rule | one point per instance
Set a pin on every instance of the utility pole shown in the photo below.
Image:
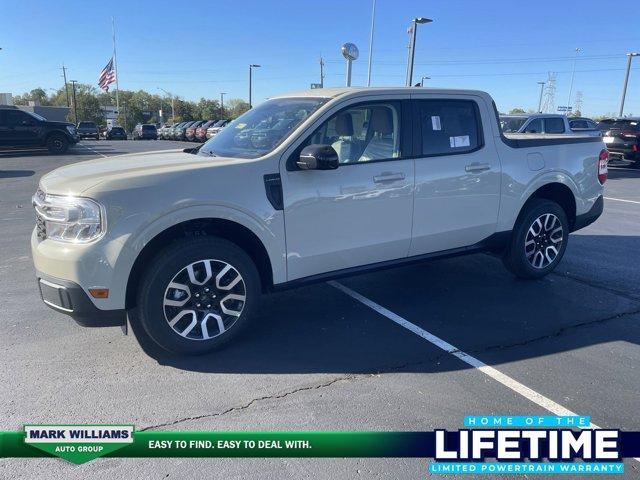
(251, 67)
(626, 81)
(222, 94)
(75, 104)
(66, 89)
(412, 46)
(321, 72)
(542, 84)
(573, 72)
(373, 22)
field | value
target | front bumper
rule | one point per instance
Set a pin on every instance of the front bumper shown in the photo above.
(69, 298)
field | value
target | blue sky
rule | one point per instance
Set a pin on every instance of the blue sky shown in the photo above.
(196, 49)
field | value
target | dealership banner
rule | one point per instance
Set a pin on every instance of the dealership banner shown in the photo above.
(491, 445)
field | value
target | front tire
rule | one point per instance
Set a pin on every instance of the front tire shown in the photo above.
(197, 295)
(538, 241)
(57, 144)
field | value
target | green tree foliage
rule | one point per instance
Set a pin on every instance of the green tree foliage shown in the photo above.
(236, 107)
(515, 111)
(135, 106)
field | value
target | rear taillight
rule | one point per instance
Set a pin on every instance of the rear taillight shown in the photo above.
(603, 166)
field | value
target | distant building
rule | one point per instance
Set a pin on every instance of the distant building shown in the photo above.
(6, 99)
(54, 114)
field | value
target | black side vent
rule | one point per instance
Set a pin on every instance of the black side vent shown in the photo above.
(273, 187)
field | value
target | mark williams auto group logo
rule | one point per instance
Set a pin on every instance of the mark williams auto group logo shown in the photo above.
(78, 443)
(551, 450)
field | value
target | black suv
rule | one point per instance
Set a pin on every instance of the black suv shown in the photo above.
(19, 128)
(622, 137)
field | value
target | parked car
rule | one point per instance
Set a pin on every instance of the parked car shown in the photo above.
(188, 246)
(163, 131)
(547, 123)
(88, 130)
(190, 133)
(21, 129)
(180, 133)
(201, 131)
(116, 133)
(622, 137)
(174, 132)
(214, 129)
(145, 131)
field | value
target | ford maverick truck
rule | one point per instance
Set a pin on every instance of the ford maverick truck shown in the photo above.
(305, 187)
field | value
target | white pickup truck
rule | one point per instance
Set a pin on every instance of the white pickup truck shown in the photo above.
(305, 187)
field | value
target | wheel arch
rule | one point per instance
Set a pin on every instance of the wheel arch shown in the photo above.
(230, 230)
(559, 193)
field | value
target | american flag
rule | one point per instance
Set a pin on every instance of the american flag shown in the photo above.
(107, 76)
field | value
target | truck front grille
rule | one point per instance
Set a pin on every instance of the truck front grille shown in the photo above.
(41, 227)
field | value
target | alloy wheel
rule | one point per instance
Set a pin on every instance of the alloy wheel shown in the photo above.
(543, 241)
(204, 299)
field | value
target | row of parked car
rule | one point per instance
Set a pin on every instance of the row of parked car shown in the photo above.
(192, 131)
(620, 135)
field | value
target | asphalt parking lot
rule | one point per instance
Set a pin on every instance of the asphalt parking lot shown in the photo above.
(360, 354)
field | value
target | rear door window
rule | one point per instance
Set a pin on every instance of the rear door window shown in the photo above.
(448, 126)
(553, 125)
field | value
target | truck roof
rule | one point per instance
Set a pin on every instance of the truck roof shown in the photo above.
(339, 91)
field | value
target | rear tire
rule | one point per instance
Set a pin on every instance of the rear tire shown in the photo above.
(197, 294)
(538, 241)
(57, 143)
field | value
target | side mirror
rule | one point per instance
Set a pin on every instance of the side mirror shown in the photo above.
(318, 157)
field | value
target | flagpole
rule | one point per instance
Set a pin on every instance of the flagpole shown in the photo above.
(115, 63)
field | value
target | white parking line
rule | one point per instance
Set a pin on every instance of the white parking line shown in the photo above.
(94, 151)
(622, 200)
(497, 375)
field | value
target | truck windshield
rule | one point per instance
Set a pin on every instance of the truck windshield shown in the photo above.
(511, 124)
(260, 130)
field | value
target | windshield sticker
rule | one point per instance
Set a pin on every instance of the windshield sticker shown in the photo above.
(435, 123)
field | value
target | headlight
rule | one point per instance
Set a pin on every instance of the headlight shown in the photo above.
(71, 129)
(69, 219)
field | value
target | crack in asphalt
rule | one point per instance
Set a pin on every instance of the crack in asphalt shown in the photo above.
(557, 333)
(589, 283)
(255, 400)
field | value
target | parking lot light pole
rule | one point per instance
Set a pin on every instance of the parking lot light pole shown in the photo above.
(251, 67)
(412, 46)
(542, 84)
(222, 94)
(423, 79)
(173, 105)
(75, 104)
(626, 80)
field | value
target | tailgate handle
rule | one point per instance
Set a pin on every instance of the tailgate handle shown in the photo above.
(477, 167)
(388, 177)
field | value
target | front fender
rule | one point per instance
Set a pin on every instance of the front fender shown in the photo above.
(269, 230)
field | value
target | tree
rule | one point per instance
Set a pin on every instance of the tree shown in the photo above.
(516, 110)
(37, 95)
(236, 107)
(207, 109)
(88, 105)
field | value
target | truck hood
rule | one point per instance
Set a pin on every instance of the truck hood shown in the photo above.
(79, 177)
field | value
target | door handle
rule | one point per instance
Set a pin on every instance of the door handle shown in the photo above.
(388, 177)
(477, 167)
